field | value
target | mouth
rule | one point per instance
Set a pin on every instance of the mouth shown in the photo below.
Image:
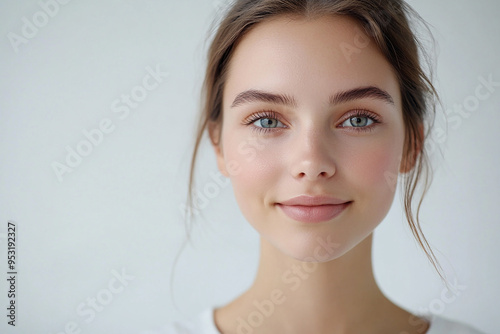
(313, 213)
(313, 209)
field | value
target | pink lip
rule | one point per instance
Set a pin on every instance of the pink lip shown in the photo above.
(309, 209)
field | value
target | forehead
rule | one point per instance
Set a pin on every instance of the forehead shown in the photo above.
(309, 59)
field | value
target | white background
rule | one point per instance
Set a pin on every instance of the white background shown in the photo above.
(120, 208)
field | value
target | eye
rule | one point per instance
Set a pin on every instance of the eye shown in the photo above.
(358, 121)
(267, 123)
(264, 121)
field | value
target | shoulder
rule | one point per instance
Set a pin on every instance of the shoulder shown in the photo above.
(202, 324)
(441, 325)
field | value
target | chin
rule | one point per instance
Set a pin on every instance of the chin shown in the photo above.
(311, 248)
(318, 246)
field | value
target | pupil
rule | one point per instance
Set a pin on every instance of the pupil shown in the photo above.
(357, 121)
(268, 122)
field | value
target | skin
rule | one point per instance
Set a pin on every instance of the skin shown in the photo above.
(314, 149)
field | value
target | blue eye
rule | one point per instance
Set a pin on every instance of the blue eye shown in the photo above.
(358, 121)
(264, 121)
(267, 123)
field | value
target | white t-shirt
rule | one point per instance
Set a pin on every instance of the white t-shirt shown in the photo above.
(204, 324)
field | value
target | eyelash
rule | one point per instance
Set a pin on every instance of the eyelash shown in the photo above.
(363, 113)
(273, 115)
(260, 115)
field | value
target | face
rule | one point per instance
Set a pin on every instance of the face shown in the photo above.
(311, 108)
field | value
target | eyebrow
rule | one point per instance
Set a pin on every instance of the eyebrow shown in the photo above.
(253, 95)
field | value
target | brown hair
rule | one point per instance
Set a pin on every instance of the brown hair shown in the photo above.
(387, 22)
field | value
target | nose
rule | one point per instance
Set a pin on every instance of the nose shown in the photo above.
(312, 156)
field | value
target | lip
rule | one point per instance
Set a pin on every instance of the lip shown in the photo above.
(313, 209)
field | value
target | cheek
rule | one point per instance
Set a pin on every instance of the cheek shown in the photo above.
(372, 172)
(254, 168)
(372, 167)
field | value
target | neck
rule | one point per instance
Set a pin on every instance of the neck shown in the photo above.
(291, 296)
(338, 291)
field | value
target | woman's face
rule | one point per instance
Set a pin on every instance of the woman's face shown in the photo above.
(311, 108)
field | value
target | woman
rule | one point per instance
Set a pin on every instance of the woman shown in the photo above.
(314, 108)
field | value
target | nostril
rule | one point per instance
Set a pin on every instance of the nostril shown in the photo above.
(313, 170)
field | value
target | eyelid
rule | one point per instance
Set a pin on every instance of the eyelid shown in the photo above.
(361, 113)
(262, 114)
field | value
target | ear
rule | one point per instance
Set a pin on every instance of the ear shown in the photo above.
(215, 134)
(411, 159)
